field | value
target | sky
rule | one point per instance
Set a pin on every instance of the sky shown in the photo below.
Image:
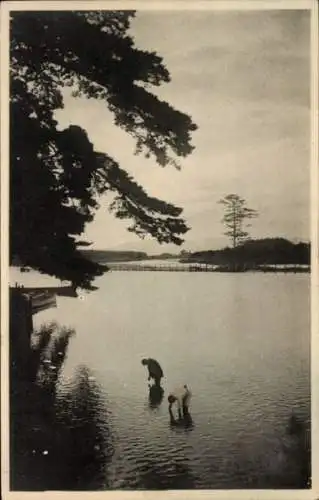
(244, 78)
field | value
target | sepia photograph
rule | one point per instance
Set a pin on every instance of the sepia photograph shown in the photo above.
(158, 257)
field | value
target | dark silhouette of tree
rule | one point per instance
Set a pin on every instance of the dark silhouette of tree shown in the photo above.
(257, 252)
(57, 177)
(236, 214)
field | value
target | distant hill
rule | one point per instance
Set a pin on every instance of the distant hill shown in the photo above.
(163, 256)
(105, 256)
(256, 252)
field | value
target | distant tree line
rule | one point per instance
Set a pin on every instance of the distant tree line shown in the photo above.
(256, 252)
(163, 256)
(105, 256)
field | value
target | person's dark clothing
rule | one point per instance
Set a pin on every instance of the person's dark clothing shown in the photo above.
(154, 370)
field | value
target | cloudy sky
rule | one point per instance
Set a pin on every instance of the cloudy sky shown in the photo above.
(244, 79)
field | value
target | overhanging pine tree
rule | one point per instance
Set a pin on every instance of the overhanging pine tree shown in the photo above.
(56, 177)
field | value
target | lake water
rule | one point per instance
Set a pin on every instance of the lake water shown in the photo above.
(242, 344)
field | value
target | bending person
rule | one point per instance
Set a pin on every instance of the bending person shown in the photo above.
(155, 371)
(181, 397)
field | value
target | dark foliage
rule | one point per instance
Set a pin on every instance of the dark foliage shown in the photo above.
(56, 175)
(256, 252)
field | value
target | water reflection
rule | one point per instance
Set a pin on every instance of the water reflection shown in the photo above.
(174, 475)
(155, 397)
(49, 350)
(284, 463)
(87, 445)
(297, 448)
(60, 440)
(182, 422)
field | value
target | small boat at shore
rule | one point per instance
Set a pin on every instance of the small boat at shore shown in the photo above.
(42, 298)
(61, 291)
(40, 301)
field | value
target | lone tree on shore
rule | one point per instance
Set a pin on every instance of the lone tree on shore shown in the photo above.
(235, 216)
(56, 176)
